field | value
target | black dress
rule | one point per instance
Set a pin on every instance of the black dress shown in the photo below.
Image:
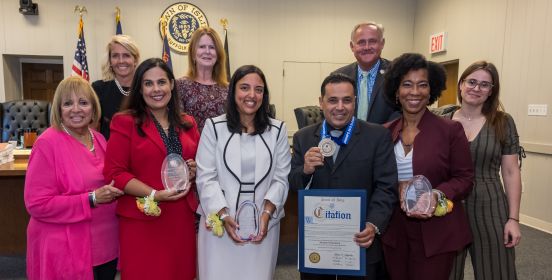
(111, 99)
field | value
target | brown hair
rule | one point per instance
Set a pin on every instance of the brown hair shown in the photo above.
(219, 70)
(492, 108)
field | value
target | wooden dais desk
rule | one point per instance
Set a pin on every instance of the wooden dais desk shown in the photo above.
(13, 215)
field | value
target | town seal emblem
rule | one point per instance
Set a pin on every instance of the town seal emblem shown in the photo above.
(180, 20)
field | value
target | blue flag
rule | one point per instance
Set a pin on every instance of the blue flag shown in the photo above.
(80, 63)
(119, 28)
(166, 56)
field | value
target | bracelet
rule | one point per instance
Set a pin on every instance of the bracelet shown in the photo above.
(442, 207)
(376, 229)
(268, 212)
(510, 218)
(223, 216)
(92, 199)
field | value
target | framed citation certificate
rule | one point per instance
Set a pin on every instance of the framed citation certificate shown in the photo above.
(328, 221)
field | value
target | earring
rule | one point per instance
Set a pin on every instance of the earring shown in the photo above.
(396, 99)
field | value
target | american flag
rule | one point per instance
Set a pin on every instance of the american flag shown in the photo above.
(80, 64)
(166, 54)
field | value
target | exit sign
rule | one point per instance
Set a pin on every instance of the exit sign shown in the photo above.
(437, 42)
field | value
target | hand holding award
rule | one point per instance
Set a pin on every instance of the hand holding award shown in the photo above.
(247, 218)
(175, 173)
(418, 197)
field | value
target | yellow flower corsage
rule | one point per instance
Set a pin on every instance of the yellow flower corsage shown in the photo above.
(215, 224)
(148, 206)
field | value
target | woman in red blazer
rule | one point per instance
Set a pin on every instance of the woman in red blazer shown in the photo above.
(423, 246)
(156, 226)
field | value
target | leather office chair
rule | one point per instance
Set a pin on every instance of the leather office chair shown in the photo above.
(24, 114)
(308, 115)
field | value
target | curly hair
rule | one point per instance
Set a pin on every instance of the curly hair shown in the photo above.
(407, 62)
(262, 120)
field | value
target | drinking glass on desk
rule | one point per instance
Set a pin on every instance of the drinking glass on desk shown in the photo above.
(29, 138)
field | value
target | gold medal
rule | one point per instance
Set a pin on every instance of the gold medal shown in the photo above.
(327, 147)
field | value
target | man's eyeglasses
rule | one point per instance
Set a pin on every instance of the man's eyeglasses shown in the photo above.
(483, 86)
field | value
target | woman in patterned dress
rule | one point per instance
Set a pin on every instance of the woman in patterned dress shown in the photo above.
(202, 92)
(493, 209)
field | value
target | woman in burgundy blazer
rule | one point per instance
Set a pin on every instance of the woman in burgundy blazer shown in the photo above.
(153, 245)
(423, 246)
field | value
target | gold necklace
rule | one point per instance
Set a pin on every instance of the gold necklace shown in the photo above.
(92, 148)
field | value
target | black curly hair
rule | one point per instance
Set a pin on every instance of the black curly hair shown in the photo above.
(407, 62)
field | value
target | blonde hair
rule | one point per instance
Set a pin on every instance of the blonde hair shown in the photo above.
(79, 86)
(219, 70)
(128, 44)
(378, 27)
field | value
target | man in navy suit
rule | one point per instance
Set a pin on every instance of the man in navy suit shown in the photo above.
(366, 43)
(363, 159)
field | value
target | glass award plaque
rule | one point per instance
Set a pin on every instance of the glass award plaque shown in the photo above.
(247, 218)
(418, 195)
(175, 173)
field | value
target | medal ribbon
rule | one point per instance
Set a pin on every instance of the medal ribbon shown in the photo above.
(344, 138)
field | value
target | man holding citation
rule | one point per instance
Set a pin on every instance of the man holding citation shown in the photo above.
(362, 158)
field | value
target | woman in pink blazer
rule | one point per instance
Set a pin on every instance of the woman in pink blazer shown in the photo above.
(72, 233)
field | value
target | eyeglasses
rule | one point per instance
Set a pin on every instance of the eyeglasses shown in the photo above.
(483, 86)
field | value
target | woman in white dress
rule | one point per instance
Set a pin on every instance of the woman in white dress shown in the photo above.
(243, 159)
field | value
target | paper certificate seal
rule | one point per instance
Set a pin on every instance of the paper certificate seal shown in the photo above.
(327, 147)
(314, 257)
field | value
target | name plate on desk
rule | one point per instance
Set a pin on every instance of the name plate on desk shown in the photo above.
(328, 221)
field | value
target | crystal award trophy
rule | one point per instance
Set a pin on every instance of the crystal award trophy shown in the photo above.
(175, 173)
(418, 195)
(247, 218)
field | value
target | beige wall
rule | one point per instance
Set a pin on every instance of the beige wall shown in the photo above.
(515, 35)
(261, 32)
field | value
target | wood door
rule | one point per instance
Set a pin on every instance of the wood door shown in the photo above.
(449, 95)
(41, 80)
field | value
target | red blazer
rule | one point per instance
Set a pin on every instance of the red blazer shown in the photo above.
(130, 155)
(442, 154)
